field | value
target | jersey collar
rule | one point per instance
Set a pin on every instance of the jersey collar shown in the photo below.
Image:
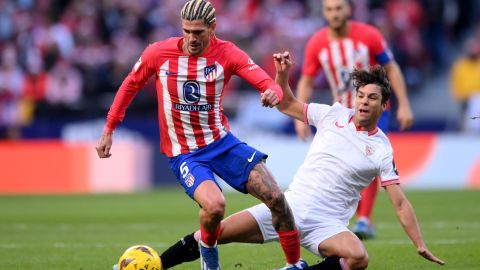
(359, 129)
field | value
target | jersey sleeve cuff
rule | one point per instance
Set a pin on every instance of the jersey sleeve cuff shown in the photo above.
(390, 182)
(277, 89)
(110, 126)
(305, 113)
(107, 130)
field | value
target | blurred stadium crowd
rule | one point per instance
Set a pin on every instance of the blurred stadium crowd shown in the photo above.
(63, 60)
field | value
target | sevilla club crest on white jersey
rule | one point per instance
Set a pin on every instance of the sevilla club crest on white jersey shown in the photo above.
(368, 150)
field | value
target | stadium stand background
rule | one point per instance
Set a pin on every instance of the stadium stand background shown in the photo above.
(61, 63)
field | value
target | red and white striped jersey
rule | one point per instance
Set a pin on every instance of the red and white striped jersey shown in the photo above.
(189, 90)
(363, 46)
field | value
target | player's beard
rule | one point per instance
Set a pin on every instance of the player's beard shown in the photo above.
(199, 48)
(195, 50)
(339, 26)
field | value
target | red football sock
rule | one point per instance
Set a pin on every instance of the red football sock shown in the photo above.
(290, 242)
(210, 238)
(369, 194)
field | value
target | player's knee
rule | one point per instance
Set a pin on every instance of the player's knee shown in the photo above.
(358, 261)
(215, 209)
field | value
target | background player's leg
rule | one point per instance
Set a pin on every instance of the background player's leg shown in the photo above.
(262, 186)
(364, 228)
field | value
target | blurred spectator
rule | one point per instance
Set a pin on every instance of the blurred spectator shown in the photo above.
(64, 86)
(35, 84)
(101, 40)
(405, 21)
(465, 79)
(11, 86)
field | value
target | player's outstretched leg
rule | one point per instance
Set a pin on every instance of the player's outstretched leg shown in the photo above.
(262, 186)
(185, 250)
(330, 263)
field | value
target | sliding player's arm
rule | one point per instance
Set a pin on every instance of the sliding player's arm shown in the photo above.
(407, 218)
(289, 105)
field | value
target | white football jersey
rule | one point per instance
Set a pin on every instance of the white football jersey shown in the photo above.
(341, 161)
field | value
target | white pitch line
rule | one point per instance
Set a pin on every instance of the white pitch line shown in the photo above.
(433, 242)
(436, 225)
(8, 246)
(63, 245)
(404, 242)
(69, 227)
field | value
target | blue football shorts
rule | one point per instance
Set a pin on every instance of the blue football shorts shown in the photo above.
(383, 121)
(229, 158)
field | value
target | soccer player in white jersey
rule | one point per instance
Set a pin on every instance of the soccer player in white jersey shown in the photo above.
(336, 49)
(347, 152)
(191, 73)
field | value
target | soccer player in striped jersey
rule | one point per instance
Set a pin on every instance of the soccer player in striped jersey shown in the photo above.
(346, 153)
(336, 50)
(190, 75)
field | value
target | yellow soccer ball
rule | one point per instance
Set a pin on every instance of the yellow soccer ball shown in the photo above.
(140, 257)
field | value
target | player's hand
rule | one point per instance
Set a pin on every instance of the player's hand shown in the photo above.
(405, 117)
(103, 146)
(269, 98)
(303, 130)
(424, 252)
(282, 65)
(282, 62)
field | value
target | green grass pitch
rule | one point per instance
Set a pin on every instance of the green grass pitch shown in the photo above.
(86, 232)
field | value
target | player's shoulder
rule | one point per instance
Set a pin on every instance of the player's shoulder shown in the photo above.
(225, 46)
(334, 112)
(363, 28)
(321, 36)
(223, 43)
(382, 141)
(342, 110)
(356, 25)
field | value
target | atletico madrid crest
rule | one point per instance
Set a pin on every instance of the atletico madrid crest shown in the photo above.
(210, 73)
(189, 180)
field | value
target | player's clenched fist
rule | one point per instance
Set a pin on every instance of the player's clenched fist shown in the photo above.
(282, 61)
(270, 98)
(104, 145)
